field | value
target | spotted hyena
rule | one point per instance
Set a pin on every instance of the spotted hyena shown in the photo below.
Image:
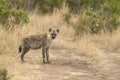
(42, 41)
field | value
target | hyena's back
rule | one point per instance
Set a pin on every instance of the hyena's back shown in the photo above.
(32, 42)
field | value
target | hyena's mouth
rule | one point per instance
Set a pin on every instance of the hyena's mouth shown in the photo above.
(53, 37)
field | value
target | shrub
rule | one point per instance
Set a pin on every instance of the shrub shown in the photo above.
(66, 17)
(4, 12)
(74, 5)
(3, 74)
(113, 22)
(20, 16)
(47, 5)
(93, 21)
(110, 10)
(9, 15)
(88, 23)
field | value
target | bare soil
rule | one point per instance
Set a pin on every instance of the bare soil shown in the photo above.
(66, 64)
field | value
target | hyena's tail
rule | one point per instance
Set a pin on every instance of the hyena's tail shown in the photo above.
(20, 49)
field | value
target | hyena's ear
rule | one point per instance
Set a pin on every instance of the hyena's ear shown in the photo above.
(50, 29)
(58, 30)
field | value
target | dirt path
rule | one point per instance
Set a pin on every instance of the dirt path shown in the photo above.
(65, 66)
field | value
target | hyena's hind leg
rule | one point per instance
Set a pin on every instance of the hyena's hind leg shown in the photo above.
(24, 51)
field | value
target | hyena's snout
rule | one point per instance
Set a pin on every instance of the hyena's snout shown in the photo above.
(53, 35)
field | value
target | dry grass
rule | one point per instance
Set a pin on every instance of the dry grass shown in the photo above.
(89, 45)
(38, 24)
(90, 50)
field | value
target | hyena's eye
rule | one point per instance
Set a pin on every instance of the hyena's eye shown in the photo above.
(53, 34)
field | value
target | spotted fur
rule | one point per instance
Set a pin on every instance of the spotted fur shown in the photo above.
(40, 41)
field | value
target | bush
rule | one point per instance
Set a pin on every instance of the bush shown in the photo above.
(74, 5)
(110, 10)
(93, 21)
(3, 74)
(47, 5)
(112, 6)
(66, 17)
(9, 15)
(113, 22)
(88, 23)
(4, 12)
(20, 16)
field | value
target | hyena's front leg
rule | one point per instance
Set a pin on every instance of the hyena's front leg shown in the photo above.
(43, 55)
(47, 55)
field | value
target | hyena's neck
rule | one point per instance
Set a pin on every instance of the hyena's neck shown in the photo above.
(49, 40)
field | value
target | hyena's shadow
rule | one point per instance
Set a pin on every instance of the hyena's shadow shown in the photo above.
(36, 59)
(58, 61)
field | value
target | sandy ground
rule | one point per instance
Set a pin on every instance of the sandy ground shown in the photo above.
(65, 65)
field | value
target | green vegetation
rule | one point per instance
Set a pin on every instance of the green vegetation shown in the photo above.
(20, 16)
(88, 22)
(97, 15)
(94, 15)
(10, 16)
(74, 5)
(47, 5)
(3, 74)
(66, 17)
(43, 6)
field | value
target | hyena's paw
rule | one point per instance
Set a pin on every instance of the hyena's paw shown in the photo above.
(44, 62)
(23, 61)
(49, 62)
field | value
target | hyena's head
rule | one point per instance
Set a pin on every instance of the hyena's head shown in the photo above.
(53, 33)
